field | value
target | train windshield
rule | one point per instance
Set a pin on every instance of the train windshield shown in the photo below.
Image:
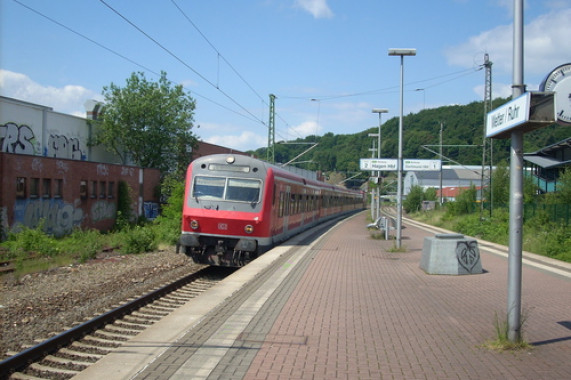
(228, 189)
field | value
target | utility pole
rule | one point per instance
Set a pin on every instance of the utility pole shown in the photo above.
(487, 108)
(271, 153)
(441, 198)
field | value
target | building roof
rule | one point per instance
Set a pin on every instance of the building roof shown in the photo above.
(552, 156)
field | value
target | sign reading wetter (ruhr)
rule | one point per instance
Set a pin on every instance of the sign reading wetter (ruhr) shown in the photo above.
(508, 116)
(381, 164)
(532, 110)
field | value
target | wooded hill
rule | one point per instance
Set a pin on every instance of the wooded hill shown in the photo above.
(462, 126)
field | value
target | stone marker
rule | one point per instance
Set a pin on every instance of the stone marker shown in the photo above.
(450, 254)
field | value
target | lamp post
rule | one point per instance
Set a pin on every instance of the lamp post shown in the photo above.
(380, 111)
(401, 53)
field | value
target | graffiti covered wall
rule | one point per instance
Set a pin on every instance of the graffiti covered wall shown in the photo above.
(50, 176)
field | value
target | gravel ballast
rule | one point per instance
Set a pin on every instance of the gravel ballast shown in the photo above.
(40, 305)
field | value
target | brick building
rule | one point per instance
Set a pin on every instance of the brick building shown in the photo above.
(48, 172)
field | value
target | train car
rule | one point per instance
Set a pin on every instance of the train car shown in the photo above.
(237, 207)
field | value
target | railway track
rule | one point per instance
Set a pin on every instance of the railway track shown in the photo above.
(68, 353)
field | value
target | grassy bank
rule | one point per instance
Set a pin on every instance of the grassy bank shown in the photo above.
(540, 236)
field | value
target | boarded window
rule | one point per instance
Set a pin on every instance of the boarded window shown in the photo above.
(102, 188)
(110, 189)
(83, 189)
(58, 191)
(34, 187)
(93, 189)
(47, 188)
(21, 187)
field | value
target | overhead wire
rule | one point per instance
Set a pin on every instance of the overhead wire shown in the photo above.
(85, 37)
(147, 69)
(181, 61)
(457, 74)
(251, 116)
(221, 56)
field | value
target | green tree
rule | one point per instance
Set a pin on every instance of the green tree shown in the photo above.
(148, 122)
(500, 185)
(414, 198)
(430, 194)
(564, 187)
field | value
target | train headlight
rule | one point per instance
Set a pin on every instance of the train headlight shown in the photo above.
(249, 229)
(194, 224)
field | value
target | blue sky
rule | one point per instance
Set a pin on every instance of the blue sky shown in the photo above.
(325, 60)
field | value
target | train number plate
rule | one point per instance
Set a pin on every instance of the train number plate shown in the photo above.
(222, 226)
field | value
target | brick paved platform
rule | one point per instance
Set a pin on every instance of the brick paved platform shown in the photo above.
(346, 307)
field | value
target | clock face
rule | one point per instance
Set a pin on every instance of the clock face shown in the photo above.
(559, 81)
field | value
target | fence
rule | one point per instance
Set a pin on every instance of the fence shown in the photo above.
(560, 213)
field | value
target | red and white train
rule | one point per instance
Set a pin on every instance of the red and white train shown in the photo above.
(237, 207)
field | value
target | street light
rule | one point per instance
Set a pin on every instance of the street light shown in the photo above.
(401, 53)
(380, 111)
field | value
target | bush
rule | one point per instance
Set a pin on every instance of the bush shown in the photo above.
(464, 203)
(168, 224)
(83, 244)
(413, 201)
(138, 239)
(31, 240)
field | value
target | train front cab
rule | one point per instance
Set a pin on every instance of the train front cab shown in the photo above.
(223, 213)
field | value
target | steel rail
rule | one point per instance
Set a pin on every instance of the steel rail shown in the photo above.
(23, 359)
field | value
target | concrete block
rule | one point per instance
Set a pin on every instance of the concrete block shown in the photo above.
(450, 254)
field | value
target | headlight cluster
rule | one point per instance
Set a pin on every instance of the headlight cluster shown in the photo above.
(249, 229)
(194, 224)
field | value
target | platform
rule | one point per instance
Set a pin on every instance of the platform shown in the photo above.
(345, 306)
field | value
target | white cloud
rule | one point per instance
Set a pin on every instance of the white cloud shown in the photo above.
(304, 129)
(318, 8)
(499, 90)
(246, 140)
(68, 99)
(546, 45)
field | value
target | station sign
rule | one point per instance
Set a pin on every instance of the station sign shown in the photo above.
(509, 116)
(381, 164)
(422, 165)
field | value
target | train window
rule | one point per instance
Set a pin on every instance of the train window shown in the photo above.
(208, 188)
(47, 188)
(20, 187)
(34, 187)
(58, 191)
(243, 190)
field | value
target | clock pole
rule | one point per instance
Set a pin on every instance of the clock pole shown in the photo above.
(516, 189)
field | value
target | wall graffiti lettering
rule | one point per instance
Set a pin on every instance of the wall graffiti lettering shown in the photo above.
(101, 210)
(59, 217)
(37, 165)
(126, 171)
(62, 166)
(16, 139)
(60, 146)
(102, 169)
